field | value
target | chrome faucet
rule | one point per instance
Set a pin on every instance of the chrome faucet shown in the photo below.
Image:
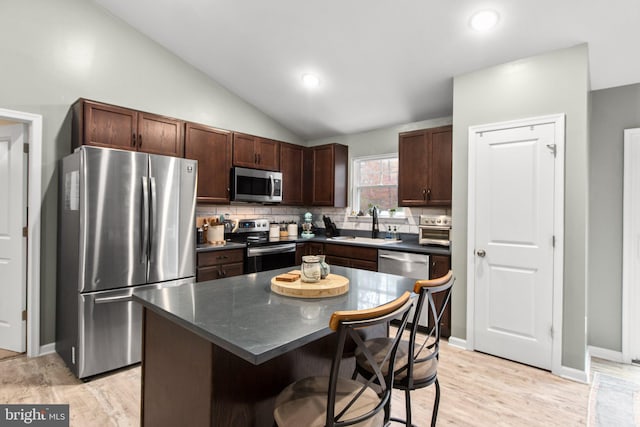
(374, 226)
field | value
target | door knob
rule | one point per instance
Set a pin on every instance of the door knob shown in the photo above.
(481, 253)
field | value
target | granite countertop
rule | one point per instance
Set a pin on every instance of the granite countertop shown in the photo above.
(243, 316)
(409, 243)
(229, 245)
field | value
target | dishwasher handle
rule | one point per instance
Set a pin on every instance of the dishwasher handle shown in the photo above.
(400, 259)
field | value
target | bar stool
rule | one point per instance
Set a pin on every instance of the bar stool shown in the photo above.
(337, 401)
(418, 368)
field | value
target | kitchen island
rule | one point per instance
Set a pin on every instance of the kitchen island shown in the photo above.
(217, 353)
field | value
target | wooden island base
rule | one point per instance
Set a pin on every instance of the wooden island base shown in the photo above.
(187, 380)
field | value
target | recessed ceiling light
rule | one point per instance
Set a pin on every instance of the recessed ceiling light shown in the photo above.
(310, 81)
(484, 20)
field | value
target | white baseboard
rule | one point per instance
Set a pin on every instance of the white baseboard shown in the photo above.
(606, 354)
(458, 342)
(573, 374)
(47, 349)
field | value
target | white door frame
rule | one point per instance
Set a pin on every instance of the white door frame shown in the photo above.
(33, 123)
(558, 219)
(630, 273)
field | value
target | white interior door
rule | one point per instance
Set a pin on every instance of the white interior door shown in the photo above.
(12, 243)
(514, 227)
(631, 247)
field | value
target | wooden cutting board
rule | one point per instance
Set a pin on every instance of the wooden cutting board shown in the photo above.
(332, 286)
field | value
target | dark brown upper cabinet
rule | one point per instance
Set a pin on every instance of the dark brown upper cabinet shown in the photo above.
(255, 152)
(292, 168)
(424, 158)
(105, 125)
(328, 174)
(211, 147)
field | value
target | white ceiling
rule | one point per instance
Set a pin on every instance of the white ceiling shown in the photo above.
(380, 62)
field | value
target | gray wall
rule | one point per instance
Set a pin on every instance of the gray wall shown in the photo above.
(54, 52)
(556, 82)
(612, 111)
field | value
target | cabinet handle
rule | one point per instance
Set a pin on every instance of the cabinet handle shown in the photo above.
(255, 158)
(259, 159)
(424, 193)
(429, 194)
(133, 140)
(140, 140)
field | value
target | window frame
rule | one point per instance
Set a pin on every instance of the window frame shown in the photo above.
(355, 187)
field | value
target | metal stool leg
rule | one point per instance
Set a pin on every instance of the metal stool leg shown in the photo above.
(436, 403)
(407, 403)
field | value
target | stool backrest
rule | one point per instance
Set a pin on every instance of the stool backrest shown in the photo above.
(346, 324)
(430, 346)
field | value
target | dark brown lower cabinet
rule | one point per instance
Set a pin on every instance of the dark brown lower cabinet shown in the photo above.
(352, 256)
(219, 264)
(308, 248)
(440, 265)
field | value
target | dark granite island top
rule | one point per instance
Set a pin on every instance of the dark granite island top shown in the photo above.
(243, 316)
(218, 352)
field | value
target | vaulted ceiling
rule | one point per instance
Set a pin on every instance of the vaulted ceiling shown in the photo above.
(379, 62)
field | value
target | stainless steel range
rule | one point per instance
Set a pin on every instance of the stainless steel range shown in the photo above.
(261, 254)
(435, 230)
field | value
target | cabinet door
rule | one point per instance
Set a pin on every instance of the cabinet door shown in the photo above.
(212, 149)
(268, 154)
(244, 153)
(439, 190)
(109, 126)
(314, 249)
(230, 270)
(440, 265)
(160, 135)
(291, 166)
(323, 176)
(413, 160)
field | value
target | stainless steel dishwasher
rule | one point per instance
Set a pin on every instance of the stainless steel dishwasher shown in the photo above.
(415, 266)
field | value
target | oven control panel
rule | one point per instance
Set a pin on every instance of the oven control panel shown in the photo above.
(435, 220)
(253, 225)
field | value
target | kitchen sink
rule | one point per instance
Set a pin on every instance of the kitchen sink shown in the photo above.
(365, 240)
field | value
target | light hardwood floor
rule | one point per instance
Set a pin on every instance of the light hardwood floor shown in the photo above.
(477, 390)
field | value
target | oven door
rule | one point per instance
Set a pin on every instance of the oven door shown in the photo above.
(271, 257)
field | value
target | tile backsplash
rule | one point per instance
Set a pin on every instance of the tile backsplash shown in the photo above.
(340, 216)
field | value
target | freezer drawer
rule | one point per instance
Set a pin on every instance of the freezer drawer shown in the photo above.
(110, 329)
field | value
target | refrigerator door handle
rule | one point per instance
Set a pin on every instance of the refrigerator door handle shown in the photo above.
(107, 300)
(154, 218)
(145, 220)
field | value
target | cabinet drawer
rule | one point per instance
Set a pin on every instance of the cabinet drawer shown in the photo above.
(352, 263)
(369, 254)
(220, 257)
(219, 272)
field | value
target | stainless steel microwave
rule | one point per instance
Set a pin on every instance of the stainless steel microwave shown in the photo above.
(256, 185)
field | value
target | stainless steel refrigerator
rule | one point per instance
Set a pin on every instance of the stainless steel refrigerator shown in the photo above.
(126, 222)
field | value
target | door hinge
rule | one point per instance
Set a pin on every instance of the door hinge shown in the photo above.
(552, 148)
(24, 315)
(25, 231)
(26, 148)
